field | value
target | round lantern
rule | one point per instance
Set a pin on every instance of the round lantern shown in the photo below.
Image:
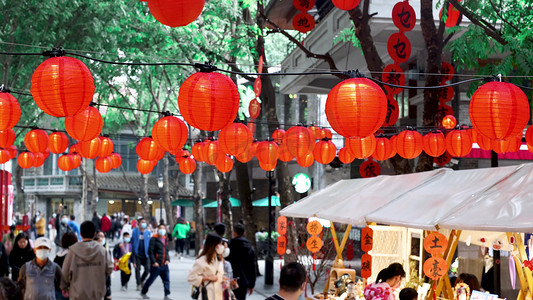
(106, 147)
(383, 150)
(458, 143)
(103, 164)
(76, 158)
(116, 160)
(74, 148)
(38, 159)
(499, 110)
(403, 16)
(57, 142)
(361, 147)
(224, 163)
(62, 86)
(346, 4)
(170, 133)
(356, 107)
(299, 140)
(529, 136)
(208, 101)
(267, 152)
(317, 132)
(434, 144)
(46, 153)
(9, 111)
(25, 160)
(284, 154)
(500, 146)
(303, 22)
(187, 165)
(36, 140)
(197, 151)
(267, 166)
(326, 133)
(148, 149)
(182, 154)
(12, 151)
(345, 156)
(449, 122)
(306, 160)
(409, 144)
(175, 13)
(86, 125)
(65, 162)
(324, 152)
(7, 138)
(369, 168)
(212, 153)
(253, 148)
(246, 156)
(5, 156)
(514, 144)
(278, 135)
(145, 166)
(89, 149)
(234, 139)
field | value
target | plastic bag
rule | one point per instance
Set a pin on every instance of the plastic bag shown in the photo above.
(124, 263)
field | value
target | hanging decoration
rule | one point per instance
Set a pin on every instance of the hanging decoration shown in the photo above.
(345, 156)
(148, 149)
(305, 161)
(103, 164)
(458, 143)
(435, 244)
(212, 153)
(361, 147)
(36, 140)
(282, 239)
(145, 166)
(324, 151)
(299, 141)
(367, 243)
(278, 135)
(89, 149)
(9, 110)
(453, 16)
(57, 142)
(170, 133)
(314, 243)
(284, 154)
(7, 138)
(235, 138)
(369, 168)
(434, 143)
(303, 22)
(65, 162)
(85, 125)
(187, 165)
(38, 159)
(224, 163)
(267, 152)
(25, 160)
(443, 160)
(5, 156)
(116, 160)
(175, 13)
(106, 146)
(449, 122)
(346, 4)
(383, 149)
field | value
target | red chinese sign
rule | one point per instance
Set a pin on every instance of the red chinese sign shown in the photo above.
(303, 22)
(443, 160)
(393, 111)
(369, 168)
(314, 228)
(367, 239)
(282, 244)
(435, 243)
(443, 111)
(399, 47)
(366, 265)
(254, 108)
(446, 94)
(448, 70)
(314, 244)
(435, 268)
(303, 5)
(282, 225)
(403, 16)
(258, 85)
(393, 74)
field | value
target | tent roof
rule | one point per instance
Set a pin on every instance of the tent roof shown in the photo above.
(495, 199)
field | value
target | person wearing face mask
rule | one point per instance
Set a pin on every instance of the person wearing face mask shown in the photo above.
(40, 277)
(119, 251)
(159, 260)
(40, 224)
(62, 228)
(387, 281)
(21, 254)
(140, 240)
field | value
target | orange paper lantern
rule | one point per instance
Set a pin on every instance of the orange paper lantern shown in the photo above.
(282, 225)
(86, 125)
(435, 243)
(383, 149)
(65, 162)
(25, 160)
(212, 153)
(235, 138)
(367, 239)
(499, 110)
(361, 147)
(89, 149)
(175, 13)
(366, 265)
(77, 160)
(267, 166)
(267, 152)
(103, 164)
(5, 156)
(62, 86)
(208, 101)
(306, 161)
(187, 165)
(38, 159)
(12, 151)
(181, 154)
(57, 142)
(299, 141)
(314, 227)
(458, 143)
(435, 267)
(106, 147)
(197, 151)
(449, 122)
(36, 140)
(170, 133)
(224, 163)
(148, 149)
(345, 156)
(356, 107)
(434, 144)
(9, 111)
(7, 138)
(409, 144)
(116, 160)
(314, 244)
(282, 244)
(284, 153)
(324, 152)
(246, 156)
(278, 135)
(145, 166)
(529, 136)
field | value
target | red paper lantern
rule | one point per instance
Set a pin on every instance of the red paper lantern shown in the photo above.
(65, 162)
(25, 160)
(197, 151)
(170, 133)
(299, 141)
(74, 148)
(443, 160)
(9, 111)
(399, 47)
(409, 144)
(212, 153)
(145, 166)
(5, 156)
(246, 156)
(278, 135)
(254, 108)
(458, 143)
(208, 101)
(500, 146)
(7, 138)
(449, 122)
(366, 261)
(103, 164)
(434, 144)
(57, 142)
(253, 148)
(86, 125)
(148, 149)
(62, 86)
(383, 149)
(106, 147)
(324, 152)
(529, 136)
(267, 152)
(317, 132)
(514, 144)
(345, 156)
(38, 159)
(369, 168)
(36, 140)
(446, 94)
(361, 147)
(346, 4)
(448, 71)
(12, 151)
(235, 138)
(284, 153)
(175, 13)
(89, 149)
(267, 166)
(303, 5)
(356, 107)
(182, 154)
(46, 153)
(303, 22)
(77, 160)
(326, 133)
(116, 160)
(224, 163)
(403, 16)
(306, 160)
(499, 110)
(187, 165)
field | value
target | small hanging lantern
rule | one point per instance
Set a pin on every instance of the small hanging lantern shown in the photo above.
(187, 165)
(383, 149)
(458, 143)
(36, 140)
(324, 151)
(278, 135)
(345, 156)
(369, 168)
(89, 149)
(303, 22)
(65, 162)
(145, 166)
(25, 160)
(38, 159)
(284, 153)
(449, 122)
(116, 160)
(148, 149)
(409, 144)
(306, 161)
(58, 142)
(361, 147)
(106, 147)
(299, 141)
(7, 138)
(212, 153)
(103, 164)
(170, 133)
(246, 156)
(86, 125)
(9, 111)
(224, 163)
(175, 13)
(234, 139)
(267, 152)
(434, 144)
(346, 4)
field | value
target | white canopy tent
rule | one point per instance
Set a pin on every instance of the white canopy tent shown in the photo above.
(493, 199)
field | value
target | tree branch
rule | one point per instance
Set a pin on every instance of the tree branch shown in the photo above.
(497, 11)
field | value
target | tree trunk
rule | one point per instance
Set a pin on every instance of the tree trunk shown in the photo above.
(245, 195)
(223, 190)
(94, 195)
(20, 203)
(166, 195)
(198, 207)
(147, 213)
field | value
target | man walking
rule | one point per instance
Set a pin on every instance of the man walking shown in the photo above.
(62, 228)
(242, 259)
(74, 226)
(86, 266)
(291, 282)
(140, 239)
(159, 259)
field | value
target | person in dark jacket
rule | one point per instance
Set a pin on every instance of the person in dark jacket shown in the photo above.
(159, 259)
(4, 262)
(68, 239)
(96, 221)
(140, 239)
(21, 254)
(242, 259)
(62, 228)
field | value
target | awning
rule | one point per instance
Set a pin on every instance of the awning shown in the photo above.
(491, 199)
(188, 202)
(234, 203)
(264, 202)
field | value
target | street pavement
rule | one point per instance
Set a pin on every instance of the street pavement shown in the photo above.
(180, 288)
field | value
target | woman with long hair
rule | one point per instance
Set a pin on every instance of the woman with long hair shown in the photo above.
(387, 281)
(21, 254)
(208, 269)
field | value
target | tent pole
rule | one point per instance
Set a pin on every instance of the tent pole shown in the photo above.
(522, 256)
(338, 263)
(521, 277)
(453, 241)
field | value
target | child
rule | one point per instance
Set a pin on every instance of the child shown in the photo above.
(119, 251)
(36, 275)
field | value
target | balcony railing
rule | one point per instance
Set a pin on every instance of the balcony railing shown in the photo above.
(52, 183)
